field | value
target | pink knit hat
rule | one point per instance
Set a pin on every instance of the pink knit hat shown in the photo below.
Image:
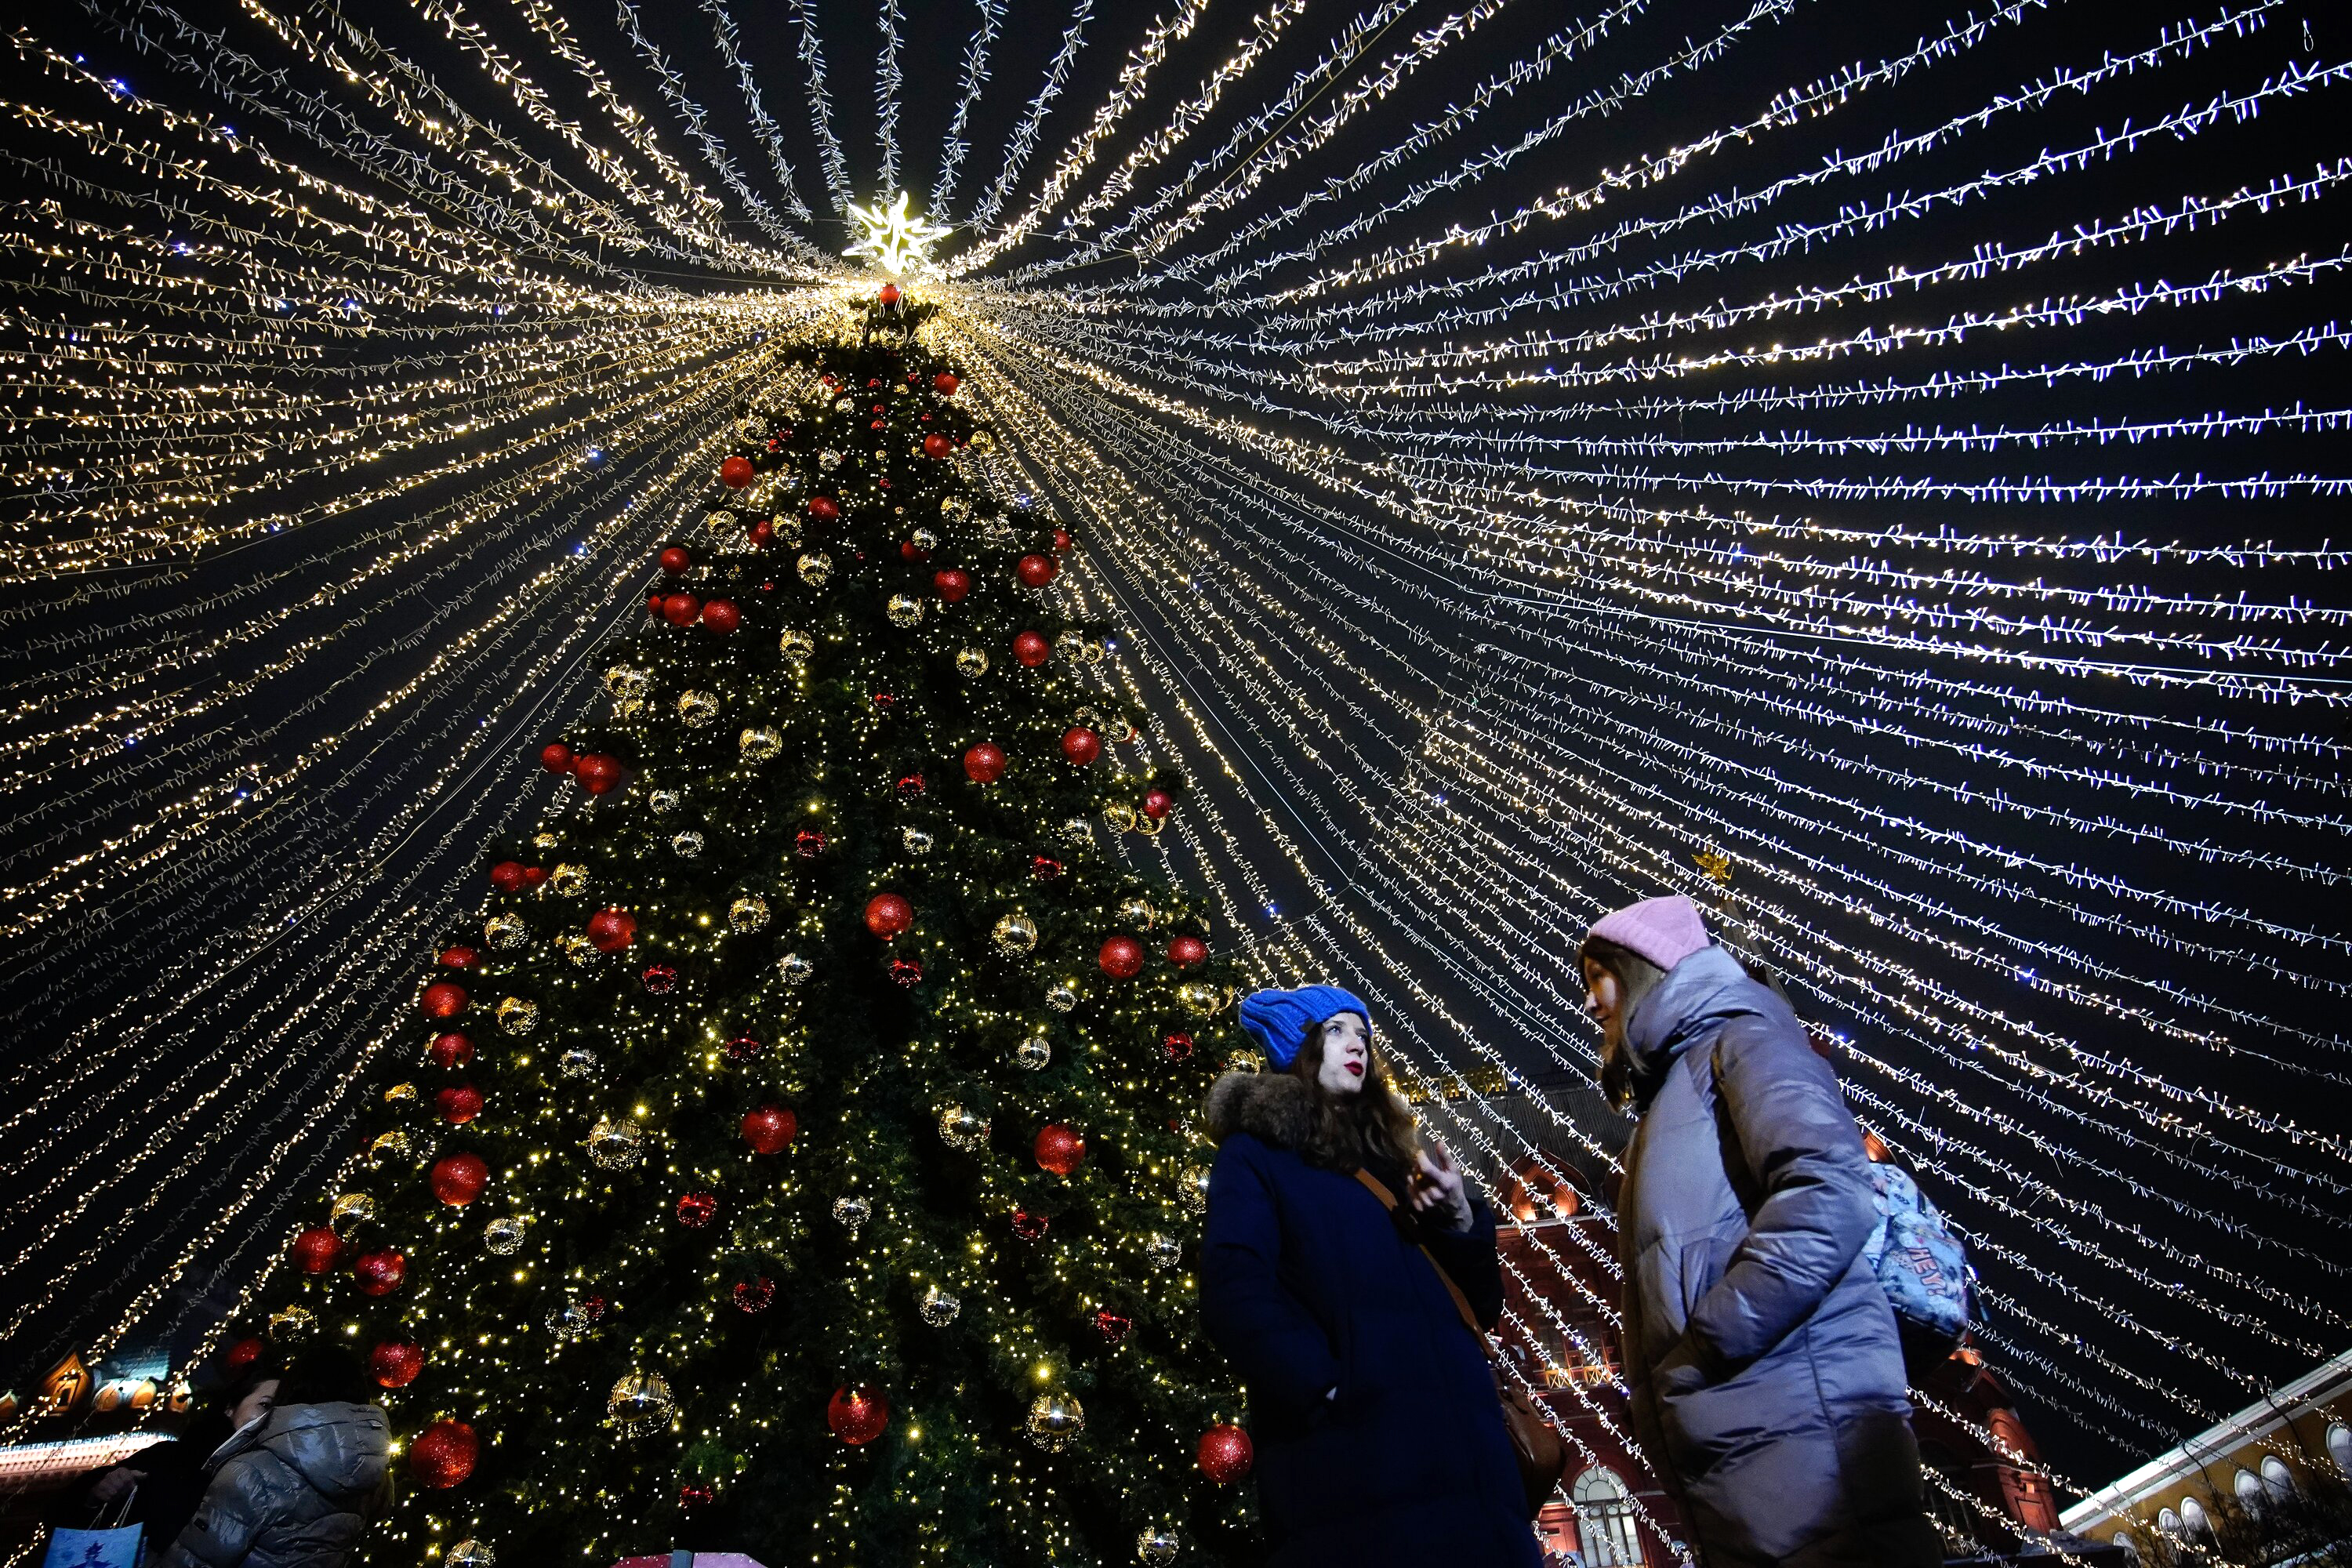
(1664, 931)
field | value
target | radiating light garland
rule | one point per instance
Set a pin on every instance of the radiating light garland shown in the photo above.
(1024, 135)
(953, 147)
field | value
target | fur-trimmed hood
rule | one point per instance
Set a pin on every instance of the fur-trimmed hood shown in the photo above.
(1272, 1108)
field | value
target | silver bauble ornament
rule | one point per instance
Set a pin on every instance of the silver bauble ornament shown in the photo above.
(616, 1145)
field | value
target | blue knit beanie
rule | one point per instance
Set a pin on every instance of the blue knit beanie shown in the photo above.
(1278, 1020)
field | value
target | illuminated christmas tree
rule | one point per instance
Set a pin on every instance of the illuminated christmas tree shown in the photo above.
(801, 1160)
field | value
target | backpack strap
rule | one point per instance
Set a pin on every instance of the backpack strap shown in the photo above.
(1461, 1303)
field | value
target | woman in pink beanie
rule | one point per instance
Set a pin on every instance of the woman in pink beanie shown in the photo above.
(1766, 1377)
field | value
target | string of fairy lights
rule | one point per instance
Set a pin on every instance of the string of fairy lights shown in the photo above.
(1876, 488)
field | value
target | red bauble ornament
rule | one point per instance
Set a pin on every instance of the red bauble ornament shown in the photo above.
(317, 1249)
(1156, 803)
(593, 1307)
(1177, 1045)
(681, 609)
(674, 560)
(1027, 1226)
(532, 876)
(825, 509)
(1037, 571)
(1044, 868)
(910, 551)
(443, 1000)
(654, 605)
(694, 1494)
(1184, 951)
(611, 930)
(450, 1050)
(444, 1455)
(696, 1210)
(883, 699)
(937, 446)
(743, 1048)
(1225, 1454)
(556, 757)
(985, 763)
(906, 971)
(1080, 744)
(735, 472)
(459, 1179)
(769, 1129)
(597, 773)
(951, 584)
(909, 785)
(763, 531)
(1031, 649)
(888, 915)
(722, 615)
(380, 1273)
(755, 1295)
(1111, 1326)
(945, 384)
(660, 979)
(1061, 539)
(458, 958)
(1121, 957)
(506, 876)
(808, 844)
(459, 1104)
(394, 1364)
(857, 1414)
(887, 294)
(1058, 1149)
(243, 1354)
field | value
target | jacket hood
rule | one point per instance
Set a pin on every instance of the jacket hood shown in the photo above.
(342, 1450)
(1270, 1107)
(1697, 994)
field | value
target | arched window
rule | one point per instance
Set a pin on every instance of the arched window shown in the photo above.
(2127, 1546)
(2278, 1483)
(2249, 1490)
(2168, 1521)
(2339, 1446)
(1604, 1520)
(2193, 1523)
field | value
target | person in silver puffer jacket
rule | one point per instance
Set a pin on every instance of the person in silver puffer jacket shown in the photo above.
(299, 1488)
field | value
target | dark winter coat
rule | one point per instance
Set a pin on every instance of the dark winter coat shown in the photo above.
(296, 1492)
(1767, 1378)
(1308, 1285)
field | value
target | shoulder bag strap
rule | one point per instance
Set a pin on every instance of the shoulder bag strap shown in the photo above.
(1461, 1303)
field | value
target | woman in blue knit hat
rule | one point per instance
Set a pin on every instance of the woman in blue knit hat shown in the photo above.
(1379, 1438)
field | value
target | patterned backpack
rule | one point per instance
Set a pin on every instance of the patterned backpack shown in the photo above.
(1920, 1265)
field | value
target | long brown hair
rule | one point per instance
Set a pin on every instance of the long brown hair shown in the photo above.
(1349, 1130)
(1636, 978)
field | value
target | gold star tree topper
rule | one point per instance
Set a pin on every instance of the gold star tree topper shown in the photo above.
(895, 240)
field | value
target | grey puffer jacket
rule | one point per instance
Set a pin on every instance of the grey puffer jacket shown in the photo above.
(295, 1491)
(1766, 1377)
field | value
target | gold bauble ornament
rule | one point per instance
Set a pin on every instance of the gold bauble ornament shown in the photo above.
(815, 568)
(1192, 1186)
(918, 840)
(696, 708)
(688, 844)
(628, 681)
(1162, 1250)
(545, 841)
(504, 930)
(503, 1235)
(1015, 934)
(470, 1553)
(389, 1146)
(830, 458)
(973, 662)
(796, 646)
(1156, 1547)
(997, 530)
(616, 1145)
(1055, 1420)
(350, 1211)
(400, 1094)
(577, 948)
(1119, 815)
(1246, 1060)
(955, 508)
(749, 912)
(662, 802)
(925, 540)
(983, 442)
(793, 969)
(1061, 996)
(291, 1323)
(577, 1061)
(640, 1405)
(516, 1016)
(1031, 1054)
(1199, 998)
(963, 1129)
(569, 877)
(1136, 913)
(904, 609)
(758, 744)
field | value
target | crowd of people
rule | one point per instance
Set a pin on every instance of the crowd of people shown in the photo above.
(1352, 1280)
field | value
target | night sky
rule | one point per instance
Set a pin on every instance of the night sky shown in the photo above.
(1528, 448)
